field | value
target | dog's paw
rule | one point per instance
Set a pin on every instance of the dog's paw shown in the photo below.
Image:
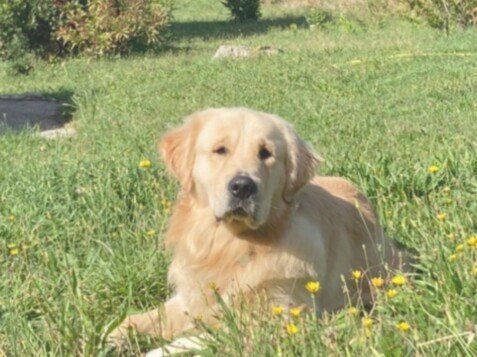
(118, 338)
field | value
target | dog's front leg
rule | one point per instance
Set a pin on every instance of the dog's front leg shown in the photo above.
(165, 322)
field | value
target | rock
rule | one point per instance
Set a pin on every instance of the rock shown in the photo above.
(238, 51)
(66, 132)
(233, 51)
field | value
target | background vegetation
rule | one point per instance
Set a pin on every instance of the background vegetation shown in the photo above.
(51, 28)
(390, 104)
(243, 9)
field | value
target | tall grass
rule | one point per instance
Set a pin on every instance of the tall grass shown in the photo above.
(382, 105)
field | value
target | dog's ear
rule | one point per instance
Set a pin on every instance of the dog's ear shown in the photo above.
(176, 148)
(301, 163)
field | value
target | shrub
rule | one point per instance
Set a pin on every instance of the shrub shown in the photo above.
(445, 14)
(53, 27)
(319, 17)
(27, 25)
(106, 26)
(21, 61)
(244, 9)
(326, 19)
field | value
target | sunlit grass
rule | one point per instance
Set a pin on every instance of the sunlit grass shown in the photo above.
(81, 220)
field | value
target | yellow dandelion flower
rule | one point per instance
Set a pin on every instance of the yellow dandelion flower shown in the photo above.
(14, 251)
(166, 205)
(145, 164)
(277, 310)
(446, 189)
(367, 322)
(441, 217)
(151, 233)
(352, 311)
(377, 282)
(313, 286)
(291, 329)
(296, 311)
(474, 271)
(459, 248)
(212, 286)
(356, 274)
(472, 241)
(403, 326)
(11, 218)
(391, 293)
(399, 280)
(453, 257)
(433, 169)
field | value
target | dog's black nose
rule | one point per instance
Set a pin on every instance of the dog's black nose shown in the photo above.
(242, 187)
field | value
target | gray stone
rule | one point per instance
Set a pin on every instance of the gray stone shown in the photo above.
(66, 132)
(227, 51)
(237, 51)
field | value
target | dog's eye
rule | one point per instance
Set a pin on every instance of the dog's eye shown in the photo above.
(221, 150)
(264, 154)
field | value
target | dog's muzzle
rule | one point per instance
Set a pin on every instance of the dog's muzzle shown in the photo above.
(242, 187)
(243, 192)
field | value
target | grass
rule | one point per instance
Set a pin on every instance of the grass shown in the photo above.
(381, 102)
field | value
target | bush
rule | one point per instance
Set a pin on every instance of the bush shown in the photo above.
(27, 25)
(54, 27)
(325, 19)
(445, 14)
(112, 26)
(319, 17)
(244, 9)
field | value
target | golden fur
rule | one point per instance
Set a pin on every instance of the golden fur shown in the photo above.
(300, 227)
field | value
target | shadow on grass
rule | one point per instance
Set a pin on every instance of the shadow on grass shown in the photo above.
(42, 110)
(209, 30)
(230, 29)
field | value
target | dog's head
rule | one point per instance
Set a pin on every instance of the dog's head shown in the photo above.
(241, 163)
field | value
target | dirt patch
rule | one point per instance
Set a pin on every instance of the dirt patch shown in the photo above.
(20, 112)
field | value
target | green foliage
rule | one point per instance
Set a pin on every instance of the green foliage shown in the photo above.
(27, 26)
(319, 17)
(325, 19)
(30, 23)
(445, 14)
(21, 61)
(51, 27)
(243, 10)
(106, 26)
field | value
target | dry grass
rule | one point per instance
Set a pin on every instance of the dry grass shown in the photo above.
(342, 6)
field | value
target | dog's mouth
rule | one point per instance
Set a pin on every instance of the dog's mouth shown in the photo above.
(240, 212)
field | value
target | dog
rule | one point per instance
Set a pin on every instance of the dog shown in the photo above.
(252, 218)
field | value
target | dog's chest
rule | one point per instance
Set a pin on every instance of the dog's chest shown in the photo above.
(232, 267)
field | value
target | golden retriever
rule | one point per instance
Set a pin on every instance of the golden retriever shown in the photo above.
(252, 217)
